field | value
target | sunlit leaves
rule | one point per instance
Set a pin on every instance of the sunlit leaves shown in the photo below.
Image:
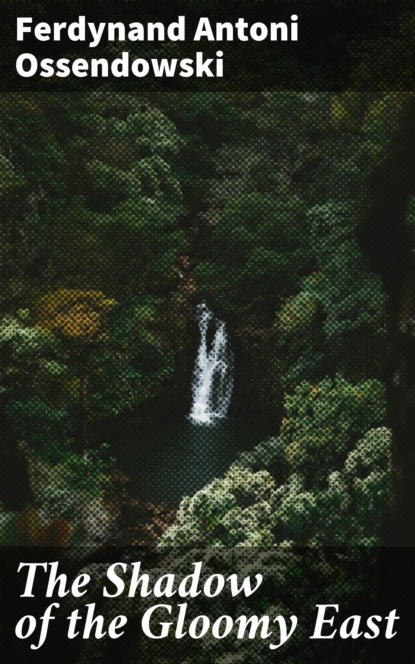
(73, 313)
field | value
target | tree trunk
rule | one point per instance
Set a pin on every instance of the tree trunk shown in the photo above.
(15, 490)
(81, 417)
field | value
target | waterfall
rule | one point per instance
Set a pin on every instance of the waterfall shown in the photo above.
(212, 376)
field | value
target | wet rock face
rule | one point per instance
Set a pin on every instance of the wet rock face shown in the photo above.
(254, 392)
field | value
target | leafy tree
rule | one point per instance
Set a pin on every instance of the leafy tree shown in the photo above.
(77, 318)
(256, 253)
(324, 421)
(329, 485)
(249, 509)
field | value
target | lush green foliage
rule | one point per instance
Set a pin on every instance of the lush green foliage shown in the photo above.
(336, 485)
(324, 421)
(259, 251)
(120, 212)
(92, 322)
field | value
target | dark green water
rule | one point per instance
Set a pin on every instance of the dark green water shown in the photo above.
(172, 459)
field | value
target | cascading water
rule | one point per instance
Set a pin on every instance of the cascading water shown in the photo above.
(212, 376)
